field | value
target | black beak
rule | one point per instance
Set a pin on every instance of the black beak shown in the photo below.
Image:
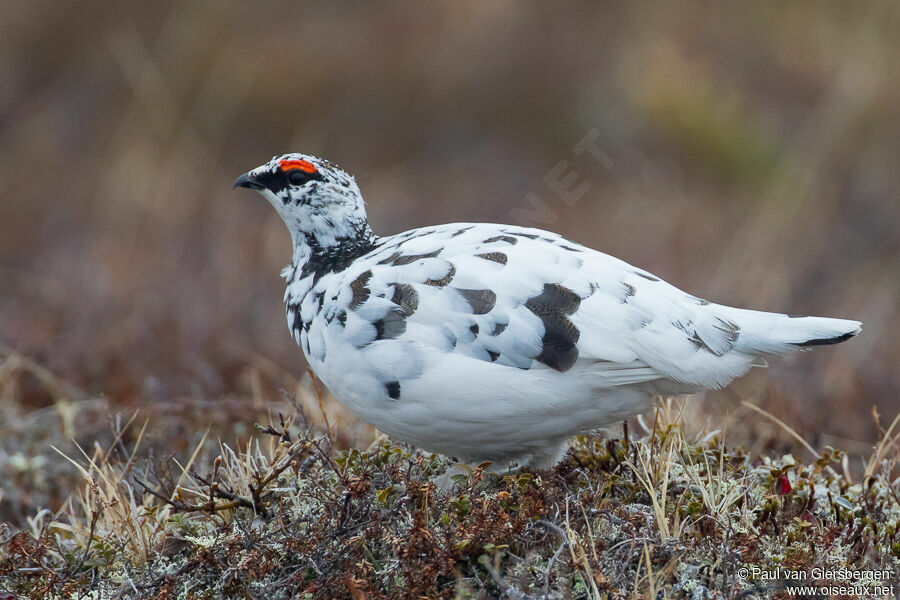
(247, 182)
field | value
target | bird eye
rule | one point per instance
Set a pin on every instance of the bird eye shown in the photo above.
(298, 177)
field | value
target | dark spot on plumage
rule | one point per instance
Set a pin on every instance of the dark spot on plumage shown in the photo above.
(554, 300)
(342, 318)
(338, 257)
(630, 291)
(497, 257)
(502, 238)
(645, 276)
(462, 231)
(499, 328)
(694, 338)
(553, 305)
(393, 389)
(390, 259)
(296, 319)
(474, 329)
(570, 248)
(414, 234)
(406, 297)
(494, 355)
(320, 300)
(530, 236)
(360, 291)
(390, 326)
(481, 301)
(559, 349)
(443, 280)
(307, 325)
(731, 330)
(405, 260)
(687, 327)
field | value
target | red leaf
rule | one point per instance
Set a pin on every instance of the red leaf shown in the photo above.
(784, 486)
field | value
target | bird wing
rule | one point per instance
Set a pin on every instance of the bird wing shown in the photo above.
(526, 299)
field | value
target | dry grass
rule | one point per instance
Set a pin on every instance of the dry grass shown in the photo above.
(659, 515)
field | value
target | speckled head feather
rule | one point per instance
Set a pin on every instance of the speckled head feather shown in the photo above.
(319, 202)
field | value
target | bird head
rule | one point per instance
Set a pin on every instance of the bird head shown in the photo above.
(318, 201)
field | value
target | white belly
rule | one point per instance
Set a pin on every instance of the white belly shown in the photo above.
(476, 410)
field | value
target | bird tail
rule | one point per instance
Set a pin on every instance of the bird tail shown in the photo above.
(774, 333)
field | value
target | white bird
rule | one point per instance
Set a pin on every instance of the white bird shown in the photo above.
(491, 342)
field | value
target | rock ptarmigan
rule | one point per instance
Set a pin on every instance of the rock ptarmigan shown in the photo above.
(496, 342)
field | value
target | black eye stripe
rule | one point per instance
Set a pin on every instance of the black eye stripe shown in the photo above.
(280, 180)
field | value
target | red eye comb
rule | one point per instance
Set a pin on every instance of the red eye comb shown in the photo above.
(290, 165)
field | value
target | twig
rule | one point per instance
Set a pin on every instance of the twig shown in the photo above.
(301, 413)
(95, 516)
(553, 558)
(184, 507)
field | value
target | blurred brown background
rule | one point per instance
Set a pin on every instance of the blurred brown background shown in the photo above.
(753, 153)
